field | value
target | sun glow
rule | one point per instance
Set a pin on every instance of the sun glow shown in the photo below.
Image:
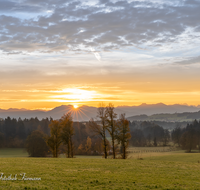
(75, 106)
(74, 95)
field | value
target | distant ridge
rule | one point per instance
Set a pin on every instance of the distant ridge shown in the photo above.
(84, 113)
(175, 117)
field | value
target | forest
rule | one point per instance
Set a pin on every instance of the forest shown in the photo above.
(104, 136)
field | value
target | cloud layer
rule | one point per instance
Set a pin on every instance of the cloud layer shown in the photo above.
(105, 25)
(147, 49)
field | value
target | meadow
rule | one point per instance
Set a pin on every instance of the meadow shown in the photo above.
(150, 170)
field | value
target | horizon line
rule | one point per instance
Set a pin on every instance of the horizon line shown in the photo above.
(49, 109)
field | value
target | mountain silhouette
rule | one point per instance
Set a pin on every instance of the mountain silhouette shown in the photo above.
(85, 113)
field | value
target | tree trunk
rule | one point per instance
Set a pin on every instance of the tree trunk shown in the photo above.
(124, 151)
(56, 152)
(105, 148)
(113, 146)
(105, 144)
(68, 149)
(71, 147)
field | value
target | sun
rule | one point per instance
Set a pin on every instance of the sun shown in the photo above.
(74, 95)
(75, 106)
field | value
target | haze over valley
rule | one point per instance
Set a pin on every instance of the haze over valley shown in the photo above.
(85, 113)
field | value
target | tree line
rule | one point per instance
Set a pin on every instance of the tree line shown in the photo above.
(148, 134)
(14, 132)
(65, 136)
(107, 134)
(62, 132)
(188, 138)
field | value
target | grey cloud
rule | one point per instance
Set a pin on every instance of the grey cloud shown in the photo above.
(7, 5)
(194, 60)
(30, 5)
(105, 26)
(18, 6)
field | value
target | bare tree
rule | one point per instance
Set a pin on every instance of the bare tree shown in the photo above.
(123, 134)
(112, 127)
(100, 129)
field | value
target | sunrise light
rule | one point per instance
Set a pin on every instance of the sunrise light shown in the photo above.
(86, 64)
(75, 106)
(74, 95)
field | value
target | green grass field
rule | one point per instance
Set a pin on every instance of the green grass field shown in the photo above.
(13, 152)
(160, 170)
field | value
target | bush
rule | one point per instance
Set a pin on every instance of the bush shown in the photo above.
(36, 145)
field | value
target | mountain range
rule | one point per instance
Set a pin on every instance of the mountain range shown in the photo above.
(84, 113)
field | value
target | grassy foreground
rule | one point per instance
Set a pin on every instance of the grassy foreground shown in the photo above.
(13, 152)
(175, 171)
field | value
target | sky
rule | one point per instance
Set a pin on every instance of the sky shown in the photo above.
(78, 52)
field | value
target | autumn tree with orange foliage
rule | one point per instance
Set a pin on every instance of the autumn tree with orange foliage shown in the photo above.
(67, 131)
(54, 141)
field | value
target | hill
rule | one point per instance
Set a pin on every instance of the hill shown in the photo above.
(176, 117)
(84, 113)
